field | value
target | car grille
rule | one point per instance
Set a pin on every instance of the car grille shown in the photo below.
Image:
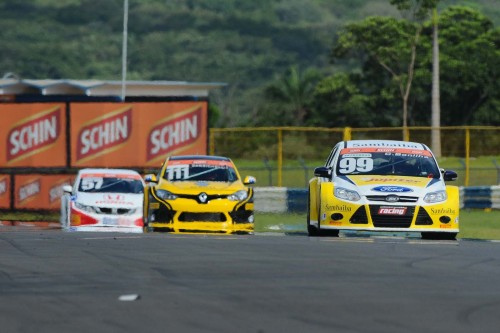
(402, 198)
(202, 217)
(115, 211)
(196, 197)
(391, 221)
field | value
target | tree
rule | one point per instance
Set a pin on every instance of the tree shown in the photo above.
(289, 96)
(339, 102)
(469, 68)
(420, 10)
(388, 42)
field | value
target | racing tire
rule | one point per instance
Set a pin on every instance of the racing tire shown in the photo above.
(439, 235)
(312, 231)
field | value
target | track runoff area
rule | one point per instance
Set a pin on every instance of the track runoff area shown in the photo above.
(60, 281)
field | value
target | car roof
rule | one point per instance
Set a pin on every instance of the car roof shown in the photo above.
(108, 171)
(383, 144)
(199, 157)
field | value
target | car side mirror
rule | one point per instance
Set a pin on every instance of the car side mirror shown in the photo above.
(249, 180)
(67, 189)
(150, 178)
(323, 172)
(449, 175)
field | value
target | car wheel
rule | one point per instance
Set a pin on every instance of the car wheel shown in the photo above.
(311, 230)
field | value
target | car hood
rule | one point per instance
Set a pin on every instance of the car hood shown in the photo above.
(400, 185)
(110, 200)
(201, 186)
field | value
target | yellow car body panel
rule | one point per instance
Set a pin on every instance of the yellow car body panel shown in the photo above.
(348, 193)
(200, 205)
(331, 205)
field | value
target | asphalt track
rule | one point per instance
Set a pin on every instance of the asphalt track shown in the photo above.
(54, 281)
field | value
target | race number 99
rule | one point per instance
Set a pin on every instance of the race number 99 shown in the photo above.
(351, 164)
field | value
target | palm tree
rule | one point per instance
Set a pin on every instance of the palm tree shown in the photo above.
(293, 91)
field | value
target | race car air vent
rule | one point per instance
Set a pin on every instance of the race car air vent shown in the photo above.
(359, 217)
(202, 217)
(423, 217)
(402, 198)
(391, 221)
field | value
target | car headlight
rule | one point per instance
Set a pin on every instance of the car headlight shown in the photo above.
(435, 197)
(238, 196)
(346, 194)
(85, 208)
(166, 195)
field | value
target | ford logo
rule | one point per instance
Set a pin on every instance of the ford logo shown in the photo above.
(393, 189)
(392, 198)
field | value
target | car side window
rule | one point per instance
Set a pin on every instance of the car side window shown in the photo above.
(329, 160)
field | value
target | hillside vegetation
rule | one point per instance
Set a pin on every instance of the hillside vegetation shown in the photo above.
(250, 45)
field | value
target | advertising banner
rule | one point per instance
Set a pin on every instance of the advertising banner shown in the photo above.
(4, 191)
(40, 191)
(32, 135)
(136, 134)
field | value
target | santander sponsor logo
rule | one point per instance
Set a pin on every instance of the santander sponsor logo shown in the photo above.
(34, 133)
(105, 133)
(29, 190)
(175, 133)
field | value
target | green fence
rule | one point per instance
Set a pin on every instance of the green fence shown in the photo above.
(287, 156)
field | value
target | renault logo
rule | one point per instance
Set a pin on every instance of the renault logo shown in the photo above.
(392, 198)
(203, 197)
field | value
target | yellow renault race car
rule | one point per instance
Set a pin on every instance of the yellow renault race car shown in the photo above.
(199, 194)
(382, 185)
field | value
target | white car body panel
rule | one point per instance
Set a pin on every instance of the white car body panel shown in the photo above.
(107, 211)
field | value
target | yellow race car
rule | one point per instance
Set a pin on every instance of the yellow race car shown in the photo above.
(382, 185)
(199, 193)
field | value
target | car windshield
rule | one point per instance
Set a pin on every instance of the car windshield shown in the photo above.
(196, 170)
(101, 184)
(383, 161)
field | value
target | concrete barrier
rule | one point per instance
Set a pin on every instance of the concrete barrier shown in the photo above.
(480, 197)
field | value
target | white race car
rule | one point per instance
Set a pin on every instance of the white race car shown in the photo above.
(382, 185)
(104, 200)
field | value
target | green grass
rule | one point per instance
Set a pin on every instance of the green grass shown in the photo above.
(474, 224)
